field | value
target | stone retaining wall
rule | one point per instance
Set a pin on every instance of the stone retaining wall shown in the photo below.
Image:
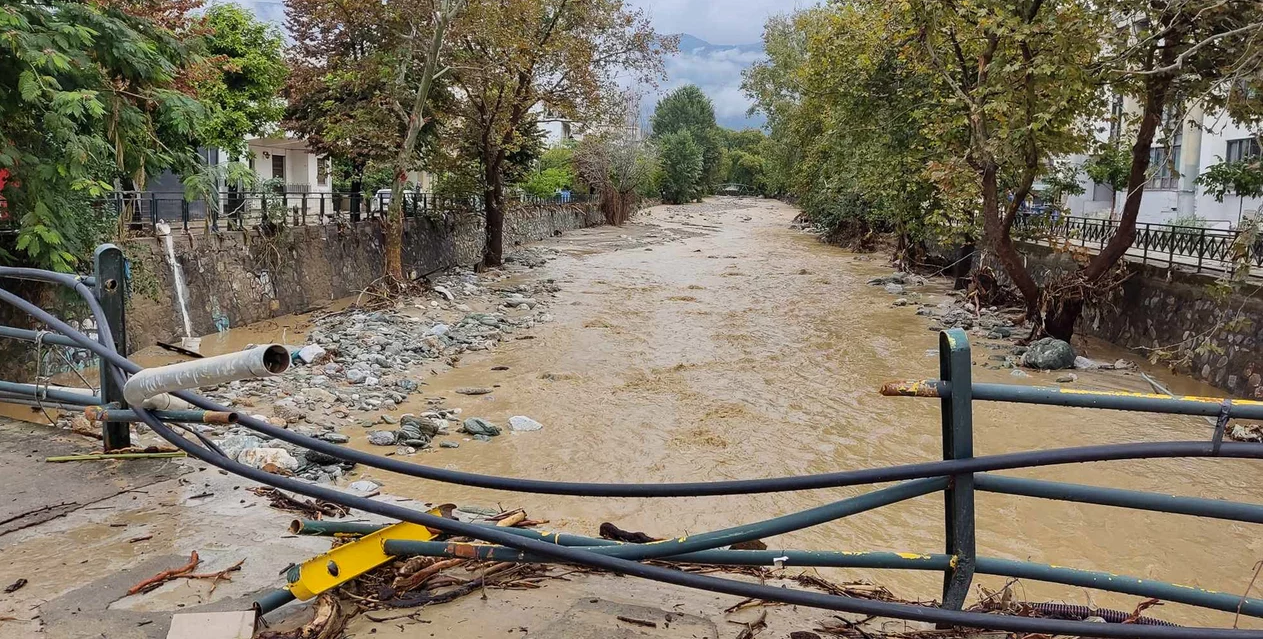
(238, 278)
(1215, 335)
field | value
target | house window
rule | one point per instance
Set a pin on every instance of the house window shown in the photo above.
(322, 170)
(278, 167)
(1163, 163)
(1243, 149)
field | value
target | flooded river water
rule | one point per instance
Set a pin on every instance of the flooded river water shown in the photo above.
(744, 349)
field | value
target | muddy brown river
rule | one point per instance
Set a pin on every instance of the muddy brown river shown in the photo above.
(744, 349)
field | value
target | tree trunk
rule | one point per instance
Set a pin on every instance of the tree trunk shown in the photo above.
(1155, 103)
(393, 229)
(357, 185)
(1060, 316)
(1062, 312)
(964, 265)
(493, 200)
(996, 235)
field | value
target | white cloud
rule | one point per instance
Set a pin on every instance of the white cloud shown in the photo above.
(719, 21)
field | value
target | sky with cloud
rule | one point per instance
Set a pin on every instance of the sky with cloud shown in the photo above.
(723, 37)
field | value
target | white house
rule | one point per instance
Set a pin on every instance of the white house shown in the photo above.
(1203, 140)
(287, 160)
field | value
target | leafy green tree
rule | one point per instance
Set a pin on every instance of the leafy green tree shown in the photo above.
(849, 113)
(513, 58)
(1243, 178)
(360, 88)
(87, 94)
(243, 98)
(1110, 165)
(682, 166)
(688, 109)
(1060, 180)
(548, 182)
(1169, 57)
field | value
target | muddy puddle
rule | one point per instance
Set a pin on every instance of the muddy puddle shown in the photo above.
(704, 344)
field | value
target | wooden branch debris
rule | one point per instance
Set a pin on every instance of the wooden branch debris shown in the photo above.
(310, 509)
(165, 576)
(185, 572)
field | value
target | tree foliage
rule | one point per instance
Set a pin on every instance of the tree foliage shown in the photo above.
(88, 94)
(683, 163)
(517, 58)
(242, 98)
(360, 87)
(1243, 178)
(621, 167)
(688, 109)
(937, 118)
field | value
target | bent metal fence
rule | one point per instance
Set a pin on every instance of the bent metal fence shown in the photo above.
(1192, 248)
(958, 476)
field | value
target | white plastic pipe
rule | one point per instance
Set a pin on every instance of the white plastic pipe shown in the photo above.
(260, 361)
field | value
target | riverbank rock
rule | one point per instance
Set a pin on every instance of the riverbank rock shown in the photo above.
(310, 353)
(523, 423)
(473, 390)
(382, 437)
(478, 426)
(235, 445)
(417, 428)
(261, 457)
(364, 485)
(1048, 354)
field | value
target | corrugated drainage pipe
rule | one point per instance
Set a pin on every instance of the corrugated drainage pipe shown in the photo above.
(1077, 613)
(260, 361)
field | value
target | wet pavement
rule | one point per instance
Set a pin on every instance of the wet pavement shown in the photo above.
(714, 342)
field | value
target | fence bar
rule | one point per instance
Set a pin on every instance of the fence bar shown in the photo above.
(110, 269)
(1075, 398)
(877, 560)
(958, 435)
(61, 394)
(31, 336)
(25, 400)
(1227, 602)
(788, 558)
(1134, 499)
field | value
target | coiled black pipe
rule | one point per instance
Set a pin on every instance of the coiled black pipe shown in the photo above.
(1112, 452)
(582, 557)
(1074, 611)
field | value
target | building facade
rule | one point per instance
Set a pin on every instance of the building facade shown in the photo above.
(1173, 196)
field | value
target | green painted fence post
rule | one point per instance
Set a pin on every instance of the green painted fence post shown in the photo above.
(109, 266)
(958, 436)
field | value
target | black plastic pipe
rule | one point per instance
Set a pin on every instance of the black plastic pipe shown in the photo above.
(831, 602)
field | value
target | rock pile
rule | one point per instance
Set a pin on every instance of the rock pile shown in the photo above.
(357, 362)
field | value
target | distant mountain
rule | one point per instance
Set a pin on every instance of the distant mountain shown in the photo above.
(716, 69)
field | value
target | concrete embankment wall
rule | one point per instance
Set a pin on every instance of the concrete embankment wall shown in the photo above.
(236, 278)
(1211, 333)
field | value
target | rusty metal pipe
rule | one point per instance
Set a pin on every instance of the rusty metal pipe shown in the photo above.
(261, 361)
(102, 414)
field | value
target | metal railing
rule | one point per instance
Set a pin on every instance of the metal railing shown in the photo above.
(1194, 248)
(959, 475)
(241, 210)
(140, 212)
